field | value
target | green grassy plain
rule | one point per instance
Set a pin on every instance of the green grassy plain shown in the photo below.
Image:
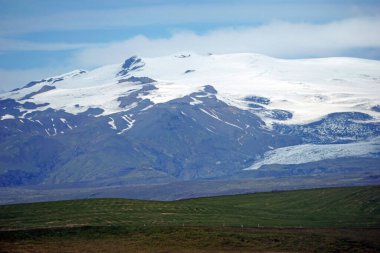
(320, 220)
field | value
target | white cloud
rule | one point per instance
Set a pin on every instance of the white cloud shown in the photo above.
(279, 39)
(206, 12)
(20, 45)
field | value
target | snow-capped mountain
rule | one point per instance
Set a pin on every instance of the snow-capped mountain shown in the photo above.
(192, 117)
(309, 89)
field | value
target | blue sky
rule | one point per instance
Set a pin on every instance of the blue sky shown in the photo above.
(45, 38)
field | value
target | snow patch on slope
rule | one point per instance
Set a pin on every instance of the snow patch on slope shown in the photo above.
(213, 115)
(130, 122)
(112, 123)
(7, 116)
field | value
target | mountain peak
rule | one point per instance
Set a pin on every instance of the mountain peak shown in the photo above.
(209, 89)
(131, 60)
(130, 64)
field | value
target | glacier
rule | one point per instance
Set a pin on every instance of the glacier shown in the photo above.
(307, 153)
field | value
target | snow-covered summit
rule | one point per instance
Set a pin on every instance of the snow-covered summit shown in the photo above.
(308, 88)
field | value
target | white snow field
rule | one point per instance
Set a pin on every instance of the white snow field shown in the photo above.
(309, 88)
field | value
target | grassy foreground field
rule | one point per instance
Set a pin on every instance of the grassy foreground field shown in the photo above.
(321, 220)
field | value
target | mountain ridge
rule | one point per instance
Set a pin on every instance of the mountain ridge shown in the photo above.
(190, 117)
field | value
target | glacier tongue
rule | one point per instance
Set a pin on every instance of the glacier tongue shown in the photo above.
(306, 153)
